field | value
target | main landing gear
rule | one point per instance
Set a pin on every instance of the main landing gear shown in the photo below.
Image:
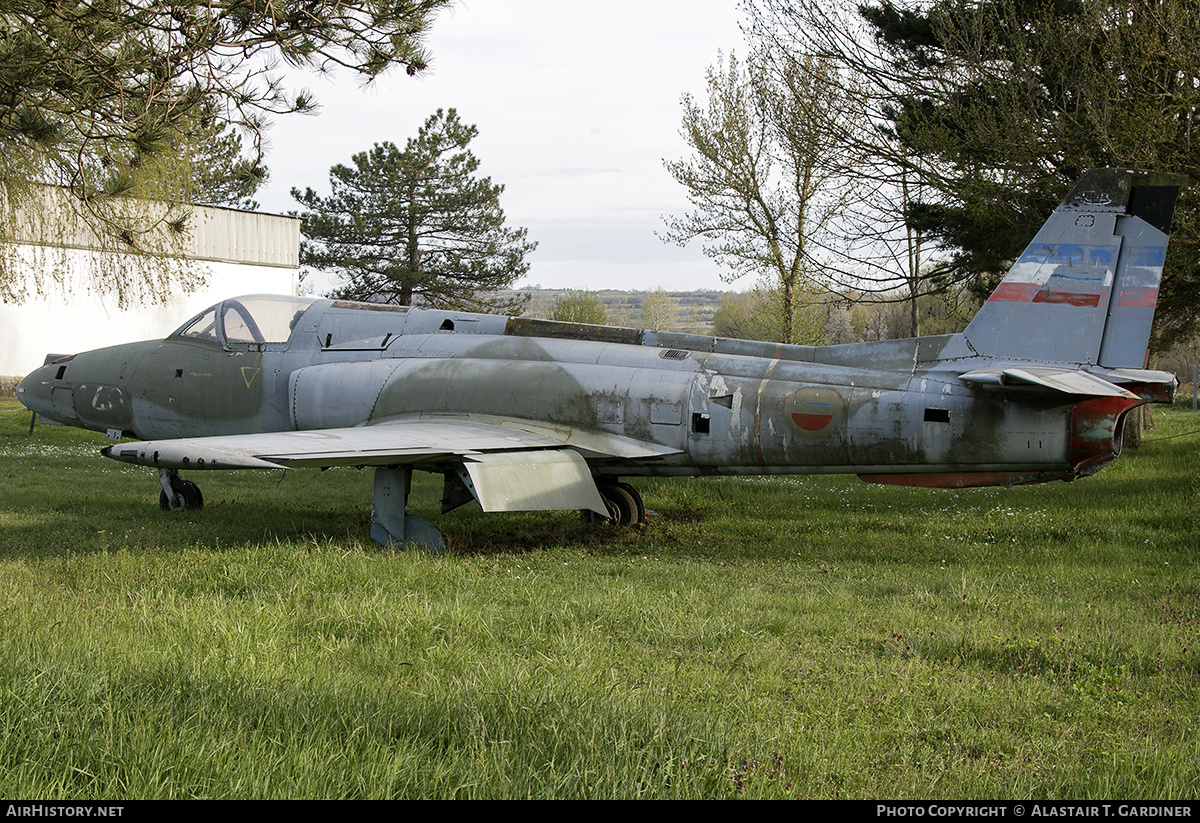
(178, 494)
(392, 526)
(624, 504)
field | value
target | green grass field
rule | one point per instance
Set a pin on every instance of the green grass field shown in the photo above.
(760, 638)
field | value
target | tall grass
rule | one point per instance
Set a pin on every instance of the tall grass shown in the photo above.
(760, 638)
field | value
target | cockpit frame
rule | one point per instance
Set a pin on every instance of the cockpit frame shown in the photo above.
(257, 322)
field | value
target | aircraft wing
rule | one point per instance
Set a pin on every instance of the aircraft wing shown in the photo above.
(424, 440)
(513, 465)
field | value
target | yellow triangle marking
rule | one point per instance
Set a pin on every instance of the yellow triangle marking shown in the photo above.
(248, 374)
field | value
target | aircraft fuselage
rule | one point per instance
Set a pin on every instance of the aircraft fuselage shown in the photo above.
(719, 406)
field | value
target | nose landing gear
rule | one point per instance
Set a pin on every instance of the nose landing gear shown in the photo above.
(178, 494)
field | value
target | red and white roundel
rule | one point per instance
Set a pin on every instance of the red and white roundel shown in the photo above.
(817, 411)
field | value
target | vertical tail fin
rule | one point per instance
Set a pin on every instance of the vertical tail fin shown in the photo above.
(1085, 288)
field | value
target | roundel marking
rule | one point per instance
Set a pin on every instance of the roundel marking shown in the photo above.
(817, 411)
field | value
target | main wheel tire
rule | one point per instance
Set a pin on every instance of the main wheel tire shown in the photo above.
(637, 499)
(622, 506)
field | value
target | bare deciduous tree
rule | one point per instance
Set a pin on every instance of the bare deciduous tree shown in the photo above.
(766, 179)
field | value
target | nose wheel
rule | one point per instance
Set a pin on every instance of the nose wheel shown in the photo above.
(178, 494)
(624, 504)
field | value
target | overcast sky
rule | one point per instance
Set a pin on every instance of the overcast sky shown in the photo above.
(577, 105)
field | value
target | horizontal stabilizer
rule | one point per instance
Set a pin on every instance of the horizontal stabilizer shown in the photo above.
(1064, 381)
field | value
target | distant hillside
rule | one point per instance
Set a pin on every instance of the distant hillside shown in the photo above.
(849, 318)
(693, 309)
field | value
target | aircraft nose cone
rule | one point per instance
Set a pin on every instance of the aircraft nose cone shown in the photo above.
(85, 389)
(36, 391)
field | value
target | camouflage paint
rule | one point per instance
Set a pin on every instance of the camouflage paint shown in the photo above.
(1035, 389)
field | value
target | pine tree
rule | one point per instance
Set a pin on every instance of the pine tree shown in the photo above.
(1011, 100)
(112, 100)
(416, 225)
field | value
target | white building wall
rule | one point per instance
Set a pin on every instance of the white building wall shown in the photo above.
(237, 252)
(69, 320)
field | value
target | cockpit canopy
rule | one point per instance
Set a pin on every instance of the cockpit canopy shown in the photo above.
(253, 322)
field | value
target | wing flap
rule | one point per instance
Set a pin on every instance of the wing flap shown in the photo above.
(542, 480)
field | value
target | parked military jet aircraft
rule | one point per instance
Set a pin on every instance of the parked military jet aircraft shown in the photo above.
(522, 414)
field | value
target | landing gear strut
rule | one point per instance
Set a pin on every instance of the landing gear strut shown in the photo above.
(624, 504)
(391, 526)
(178, 494)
